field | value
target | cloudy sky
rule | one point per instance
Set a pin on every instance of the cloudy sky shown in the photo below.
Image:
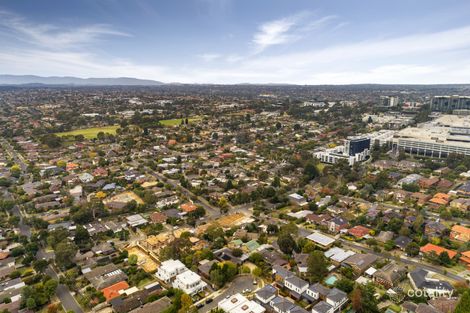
(239, 41)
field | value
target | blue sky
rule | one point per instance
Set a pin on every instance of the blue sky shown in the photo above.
(239, 41)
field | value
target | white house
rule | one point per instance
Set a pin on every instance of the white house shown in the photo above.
(237, 303)
(76, 192)
(323, 307)
(296, 284)
(86, 178)
(297, 199)
(136, 220)
(170, 269)
(337, 299)
(266, 294)
(190, 282)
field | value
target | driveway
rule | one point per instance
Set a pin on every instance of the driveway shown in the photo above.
(236, 286)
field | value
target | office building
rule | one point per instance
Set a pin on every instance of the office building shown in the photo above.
(450, 103)
(355, 149)
(356, 145)
(388, 101)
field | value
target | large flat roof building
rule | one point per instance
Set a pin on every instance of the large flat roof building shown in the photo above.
(447, 134)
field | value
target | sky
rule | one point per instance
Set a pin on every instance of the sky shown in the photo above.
(240, 41)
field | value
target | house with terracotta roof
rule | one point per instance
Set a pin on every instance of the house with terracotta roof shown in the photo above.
(465, 258)
(425, 183)
(440, 199)
(100, 172)
(115, 290)
(4, 255)
(158, 217)
(430, 248)
(460, 233)
(359, 231)
(71, 166)
(420, 197)
(188, 207)
(444, 184)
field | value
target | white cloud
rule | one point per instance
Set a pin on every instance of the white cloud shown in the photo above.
(51, 36)
(434, 57)
(208, 57)
(273, 33)
(287, 30)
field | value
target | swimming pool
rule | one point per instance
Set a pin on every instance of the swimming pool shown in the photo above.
(330, 281)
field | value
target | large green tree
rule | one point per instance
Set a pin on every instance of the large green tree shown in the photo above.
(317, 266)
(363, 299)
(464, 303)
(286, 243)
(65, 251)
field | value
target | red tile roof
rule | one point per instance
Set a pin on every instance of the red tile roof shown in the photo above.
(436, 249)
(112, 291)
(359, 231)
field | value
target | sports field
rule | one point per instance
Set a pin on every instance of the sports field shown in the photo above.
(177, 121)
(90, 133)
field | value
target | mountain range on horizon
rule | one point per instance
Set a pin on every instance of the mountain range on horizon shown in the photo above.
(7, 79)
(23, 80)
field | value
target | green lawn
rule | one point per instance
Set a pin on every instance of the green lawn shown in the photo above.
(90, 133)
(177, 121)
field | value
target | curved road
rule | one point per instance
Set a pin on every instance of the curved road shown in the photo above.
(62, 292)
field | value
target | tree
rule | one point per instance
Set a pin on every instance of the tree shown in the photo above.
(412, 249)
(223, 204)
(65, 251)
(363, 299)
(410, 187)
(291, 229)
(220, 274)
(40, 265)
(51, 140)
(276, 182)
(311, 171)
(464, 303)
(15, 171)
(186, 303)
(444, 258)
(31, 303)
(345, 285)
(418, 224)
(356, 299)
(229, 185)
(132, 260)
(213, 232)
(257, 271)
(317, 266)
(50, 286)
(82, 237)
(272, 229)
(286, 243)
(389, 245)
(56, 236)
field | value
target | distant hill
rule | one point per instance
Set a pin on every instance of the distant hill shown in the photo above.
(56, 80)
